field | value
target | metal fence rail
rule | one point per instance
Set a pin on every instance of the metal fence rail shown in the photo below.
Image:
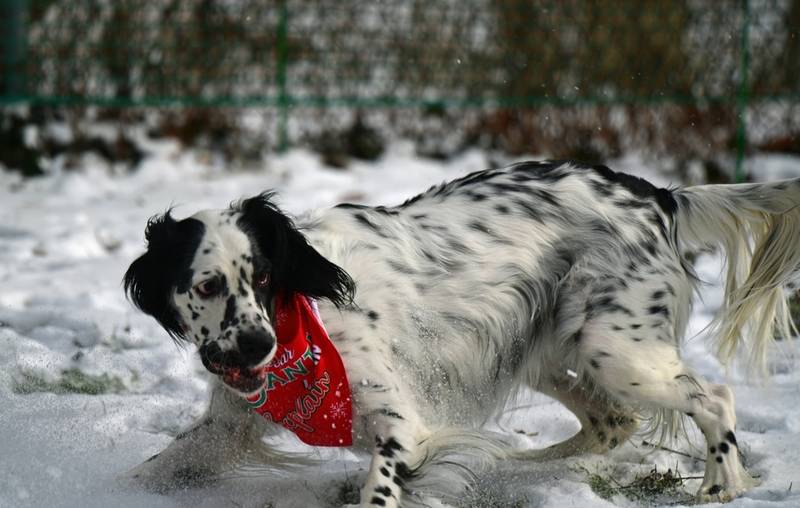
(292, 54)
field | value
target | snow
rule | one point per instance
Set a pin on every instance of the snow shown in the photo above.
(66, 240)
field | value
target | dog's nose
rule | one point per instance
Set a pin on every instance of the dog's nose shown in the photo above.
(254, 347)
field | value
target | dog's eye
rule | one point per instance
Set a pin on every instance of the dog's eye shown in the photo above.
(263, 280)
(209, 287)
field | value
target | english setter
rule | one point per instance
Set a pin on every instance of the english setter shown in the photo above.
(568, 279)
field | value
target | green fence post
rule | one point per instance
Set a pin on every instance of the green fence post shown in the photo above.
(14, 49)
(743, 95)
(283, 96)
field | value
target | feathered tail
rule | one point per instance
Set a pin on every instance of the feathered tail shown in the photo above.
(758, 227)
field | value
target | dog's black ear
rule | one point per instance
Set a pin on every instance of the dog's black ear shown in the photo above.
(152, 277)
(295, 265)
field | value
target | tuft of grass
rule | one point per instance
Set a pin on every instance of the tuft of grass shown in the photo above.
(71, 381)
(348, 492)
(601, 485)
(647, 487)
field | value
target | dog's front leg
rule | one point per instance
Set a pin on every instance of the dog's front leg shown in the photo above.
(398, 432)
(216, 443)
(388, 472)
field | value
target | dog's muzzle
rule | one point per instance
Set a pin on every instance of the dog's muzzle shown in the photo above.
(242, 368)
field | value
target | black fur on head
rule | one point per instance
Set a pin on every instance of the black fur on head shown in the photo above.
(151, 279)
(295, 266)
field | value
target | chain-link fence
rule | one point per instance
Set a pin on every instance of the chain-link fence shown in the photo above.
(507, 73)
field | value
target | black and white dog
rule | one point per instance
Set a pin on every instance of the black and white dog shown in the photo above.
(568, 279)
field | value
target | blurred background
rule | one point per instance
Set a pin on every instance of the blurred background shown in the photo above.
(692, 86)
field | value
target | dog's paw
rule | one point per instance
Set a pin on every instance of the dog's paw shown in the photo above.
(723, 494)
(717, 494)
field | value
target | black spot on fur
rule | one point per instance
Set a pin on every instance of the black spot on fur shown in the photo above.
(384, 490)
(658, 309)
(530, 211)
(476, 196)
(731, 438)
(594, 363)
(378, 501)
(723, 447)
(631, 203)
(544, 171)
(373, 315)
(403, 471)
(229, 319)
(363, 219)
(502, 209)
(478, 226)
(713, 449)
(388, 448)
(385, 472)
(606, 305)
(719, 459)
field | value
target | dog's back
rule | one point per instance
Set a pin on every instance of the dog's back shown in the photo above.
(477, 285)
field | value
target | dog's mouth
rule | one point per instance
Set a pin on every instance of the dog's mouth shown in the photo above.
(245, 381)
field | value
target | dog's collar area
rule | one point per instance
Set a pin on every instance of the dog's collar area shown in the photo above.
(306, 388)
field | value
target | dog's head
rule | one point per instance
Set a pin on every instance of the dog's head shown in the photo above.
(211, 279)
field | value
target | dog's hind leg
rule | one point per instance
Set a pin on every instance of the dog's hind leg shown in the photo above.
(224, 437)
(646, 371)
(604, 423)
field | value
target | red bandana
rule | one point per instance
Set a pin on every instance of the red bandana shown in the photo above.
(307, 390)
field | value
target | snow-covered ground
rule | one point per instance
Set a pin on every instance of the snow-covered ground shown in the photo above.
(65, 241)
